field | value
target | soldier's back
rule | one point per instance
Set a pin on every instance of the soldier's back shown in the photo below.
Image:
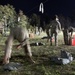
(19, 33)
(54, 24)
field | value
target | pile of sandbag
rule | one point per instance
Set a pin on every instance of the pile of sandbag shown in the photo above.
(65, 58)
(12, 66)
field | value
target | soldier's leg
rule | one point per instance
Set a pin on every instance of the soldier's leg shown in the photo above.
(8, 49)
(65, 34)
(71, 37)
(48, 36)
(56, 38)
(51, 38)
(28, 52)
(22, 37)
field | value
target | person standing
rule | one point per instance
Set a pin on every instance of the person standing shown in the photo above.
(55, 27)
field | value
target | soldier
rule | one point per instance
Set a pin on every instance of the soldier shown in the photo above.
(67, 29)
(18, 32)
(67, 33)
(55, 26)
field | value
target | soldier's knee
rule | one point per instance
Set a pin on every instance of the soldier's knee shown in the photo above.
(29, 54)
(27, 49)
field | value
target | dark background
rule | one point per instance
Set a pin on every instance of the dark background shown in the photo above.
(52, 7)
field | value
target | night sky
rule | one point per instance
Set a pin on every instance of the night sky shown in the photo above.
(52, 7)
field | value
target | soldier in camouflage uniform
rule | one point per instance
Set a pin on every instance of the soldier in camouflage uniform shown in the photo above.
(67, 33)
(67, 29)
(55, 26)
(19, 33)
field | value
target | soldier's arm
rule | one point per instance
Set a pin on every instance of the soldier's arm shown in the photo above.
(24, 42)
(59, 25)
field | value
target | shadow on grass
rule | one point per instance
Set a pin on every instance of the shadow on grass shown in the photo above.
(42, 59)
(45, 60)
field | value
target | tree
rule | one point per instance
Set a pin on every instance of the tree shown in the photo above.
(35, 22)
(1, 12)
(7, 15)
(10, 16)
(44, 20)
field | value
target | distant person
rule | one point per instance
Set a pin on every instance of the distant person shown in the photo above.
(55, 27)
(67, 33)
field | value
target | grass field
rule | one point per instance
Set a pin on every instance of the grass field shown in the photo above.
(41, 54)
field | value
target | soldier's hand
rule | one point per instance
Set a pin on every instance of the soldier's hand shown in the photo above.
(18, 46)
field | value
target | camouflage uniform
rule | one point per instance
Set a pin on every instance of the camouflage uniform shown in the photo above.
(67, 33)
(48, 32)
(55, 26)
(19, 33)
